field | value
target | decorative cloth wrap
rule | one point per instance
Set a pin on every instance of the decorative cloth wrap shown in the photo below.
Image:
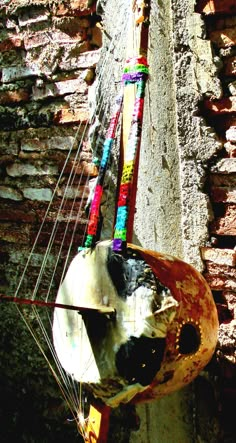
(135, 72)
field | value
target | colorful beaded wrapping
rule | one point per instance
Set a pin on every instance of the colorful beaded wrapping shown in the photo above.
(96, 202)
(136, 71)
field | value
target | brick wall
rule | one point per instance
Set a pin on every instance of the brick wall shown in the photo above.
(48, 55)
(220, 255)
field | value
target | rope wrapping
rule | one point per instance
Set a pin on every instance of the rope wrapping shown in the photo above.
(94, 215)
(135, 72)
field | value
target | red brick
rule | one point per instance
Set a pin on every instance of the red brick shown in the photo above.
(223, 194)
(74, 208)
(223, 180)
(36, 39)
(70, 36)
(79, 4)
(15, 233)
(33, 155)
(224, 166)
(21, 215)
(219, 269)
(230, 66)
(96, 37)
(224, 38)
(75, 7)
(231, 148)
(85, 58)
(231, 134)
(225, 105)
(61, 10)
(221, 22)
(231, 302)
(60, 88)
(223, 313)
(71, 24)
(84, 168)
(42, 38)
(8, 97)
(68, 116)
(63, 234)
(226, 224)
(7, 159)
(73, 192)
(226, 351)
(11, 43)
(32, 17)
(216, 6)
(232, 87)
(219, 256)
(221, 282)
(23, 212)
(226, 354)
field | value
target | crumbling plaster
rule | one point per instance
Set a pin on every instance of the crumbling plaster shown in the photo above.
(195, 77)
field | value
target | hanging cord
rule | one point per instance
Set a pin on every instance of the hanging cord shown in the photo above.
(135, 72)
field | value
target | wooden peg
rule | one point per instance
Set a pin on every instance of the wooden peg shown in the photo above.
(141, 11)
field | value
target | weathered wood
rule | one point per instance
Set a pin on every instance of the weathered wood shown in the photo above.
(97, 426)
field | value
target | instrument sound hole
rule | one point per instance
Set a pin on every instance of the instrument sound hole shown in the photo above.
(189, 339)
(139, 359)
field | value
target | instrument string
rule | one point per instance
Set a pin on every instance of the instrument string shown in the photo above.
(100, 107)
(63, 374)
(68, 385)
(78, 218)
(70, 182)
(55, 375)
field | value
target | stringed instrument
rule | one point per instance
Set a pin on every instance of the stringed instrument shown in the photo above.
(129, 324)
(163, 329)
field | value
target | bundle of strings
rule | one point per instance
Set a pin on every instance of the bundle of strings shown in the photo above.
(54, 246)
(135, 72)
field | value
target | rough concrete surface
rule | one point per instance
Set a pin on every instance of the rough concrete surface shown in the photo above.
(172, 209)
